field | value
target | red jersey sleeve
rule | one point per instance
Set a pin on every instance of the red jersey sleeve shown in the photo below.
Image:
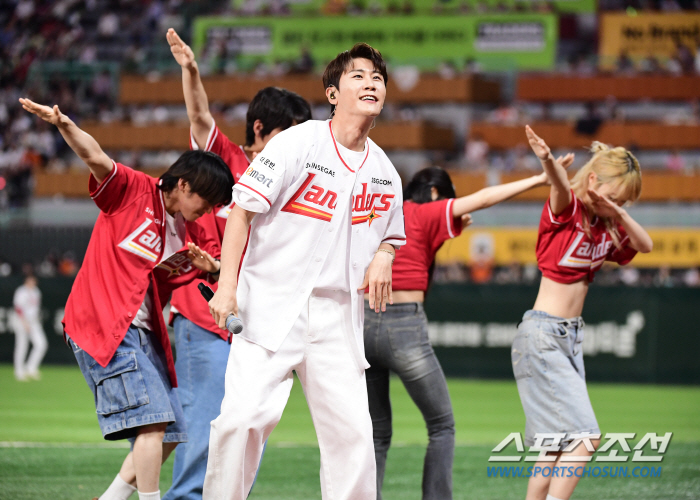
(551, 222)
(625, 253)
(439, 225)
(230, 152)
(120, 188)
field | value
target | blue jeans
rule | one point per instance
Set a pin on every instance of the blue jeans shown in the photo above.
(200, 363)
(547, 359)
(397, 341)
(133, 390)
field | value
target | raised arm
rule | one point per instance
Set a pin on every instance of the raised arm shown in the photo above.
(492, 195)
(560, 194)
(235, 237)
(81, 142)
(196, 99)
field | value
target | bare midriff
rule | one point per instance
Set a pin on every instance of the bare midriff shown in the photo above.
(405, 296)
(564, 300)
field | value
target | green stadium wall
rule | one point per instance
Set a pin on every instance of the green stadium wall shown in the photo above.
(647, 335)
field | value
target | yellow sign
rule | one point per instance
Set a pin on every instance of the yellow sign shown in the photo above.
(673, 247)
(639, 36)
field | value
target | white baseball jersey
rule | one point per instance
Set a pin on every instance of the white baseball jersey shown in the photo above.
(318, 215)
(27, 303)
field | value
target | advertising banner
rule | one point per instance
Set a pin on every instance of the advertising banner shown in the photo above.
(310, 7)
(643, 35)
(523, 41)
(504, 246)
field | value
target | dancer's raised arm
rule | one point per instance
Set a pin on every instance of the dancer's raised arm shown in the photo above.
(80, 141)
(196, 99)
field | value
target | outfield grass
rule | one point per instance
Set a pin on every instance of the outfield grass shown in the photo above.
(70, 462)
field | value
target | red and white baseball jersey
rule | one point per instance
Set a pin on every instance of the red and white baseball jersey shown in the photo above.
(125, 246)
(428, 226)
(565, 253)
(187, 300)
(306, 193)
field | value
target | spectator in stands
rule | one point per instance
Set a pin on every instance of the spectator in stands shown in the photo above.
(629, 275)
(664, 278)
(507, 113)
(590, 122)
(675, 162)
(685, 57)
(691, 277)
(476, 152)
(624, 63)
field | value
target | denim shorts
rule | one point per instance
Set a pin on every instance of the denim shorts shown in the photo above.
(133, 390)
(547, 362)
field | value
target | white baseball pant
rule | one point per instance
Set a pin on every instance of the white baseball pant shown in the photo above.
(258, 383)
(24, 334)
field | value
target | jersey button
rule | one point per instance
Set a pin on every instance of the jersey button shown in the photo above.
(129, 314)
(354, 264)
(330, 229)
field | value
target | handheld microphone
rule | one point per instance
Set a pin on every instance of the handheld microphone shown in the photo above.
(233, 324)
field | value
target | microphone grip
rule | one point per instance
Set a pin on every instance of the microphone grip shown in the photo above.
(233, 324)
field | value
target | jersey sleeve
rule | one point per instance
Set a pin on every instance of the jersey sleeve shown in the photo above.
(118, 189)
(395, 233)
(438, 222)
(230, 152)
(269, 173)
(552, 222)
(625, 253)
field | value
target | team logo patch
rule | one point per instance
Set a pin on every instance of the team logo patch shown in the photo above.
(586, 253)
(177, 264)
(366, 206)
(313, 201)
(143, 242)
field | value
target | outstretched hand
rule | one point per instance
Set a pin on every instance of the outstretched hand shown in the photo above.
(51, 115)
(181, 51)
(466, 221)
(201, 259)
(539, 147)
(565, 161)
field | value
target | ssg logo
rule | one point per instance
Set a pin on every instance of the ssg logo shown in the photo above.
(143, 242)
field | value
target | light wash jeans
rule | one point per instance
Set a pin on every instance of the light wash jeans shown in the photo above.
(200, 363)
(397, 341)
(547, 358)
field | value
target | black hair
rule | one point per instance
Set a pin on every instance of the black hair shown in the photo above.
(206, 173)
(343, 62)
(275, 108)
(419, 189)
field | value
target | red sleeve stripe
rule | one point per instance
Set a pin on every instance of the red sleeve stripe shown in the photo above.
(239, 183)
(450, 218)
(393, 238)
(106, 181)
